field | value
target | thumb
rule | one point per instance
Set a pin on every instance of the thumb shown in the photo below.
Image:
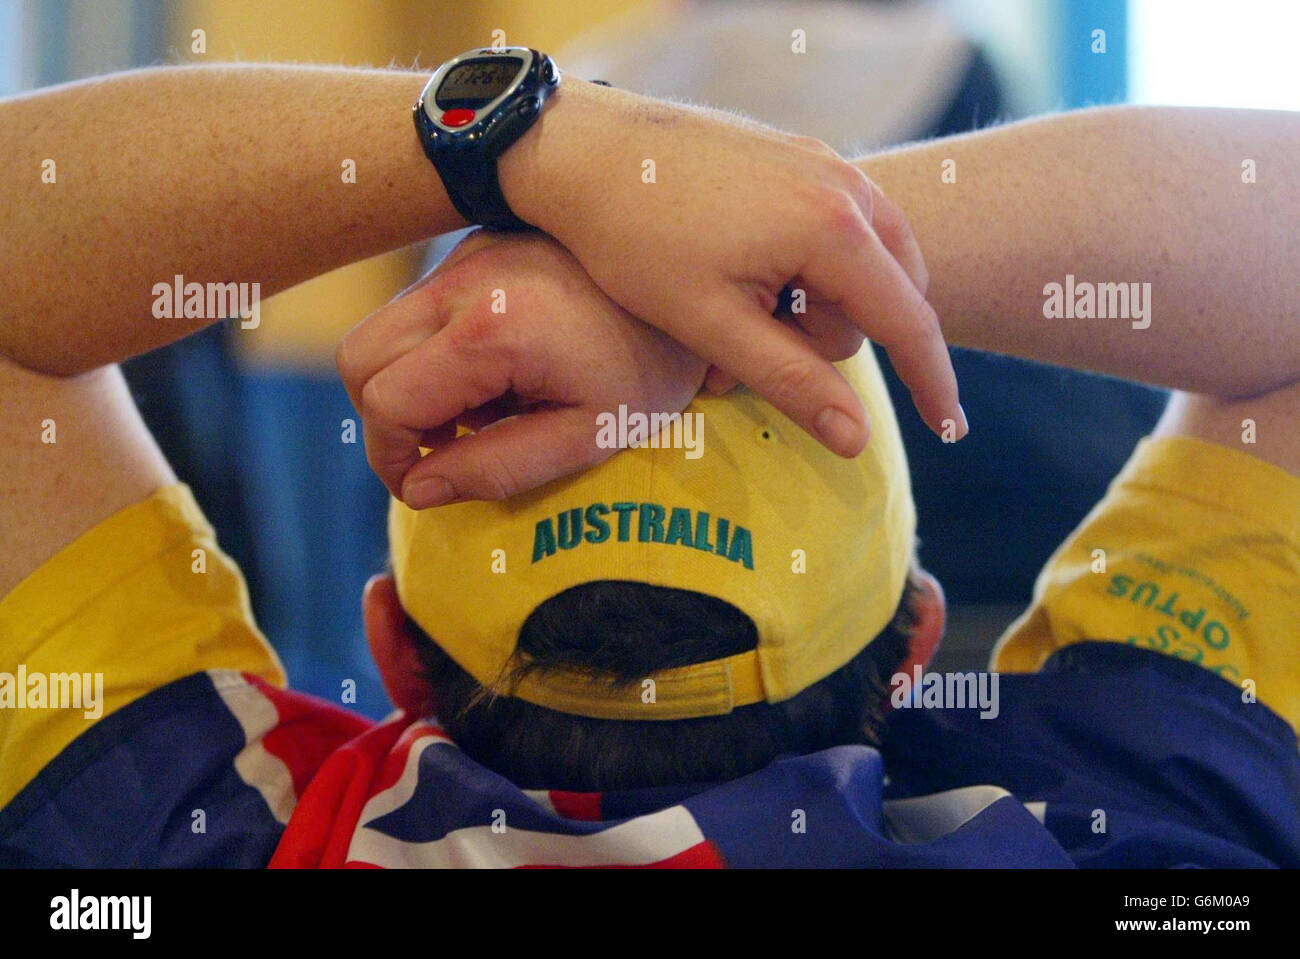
(509, 457)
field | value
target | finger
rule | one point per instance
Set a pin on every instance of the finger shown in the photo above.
(438, 436)
(875, 292)
(780, 365)
(388, 333)
(830, 332)
(412, 316)
(503, 407)
(510, 457)
(391, 452)
(399, 408)
(718, 382)
(892, 226)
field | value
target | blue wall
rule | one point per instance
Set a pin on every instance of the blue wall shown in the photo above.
(1089, 78)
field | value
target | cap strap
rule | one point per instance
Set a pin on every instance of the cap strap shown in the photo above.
(712, 688)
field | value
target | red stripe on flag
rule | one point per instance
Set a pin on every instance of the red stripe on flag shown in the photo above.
(583, 806)
(703, 855)
(308, 731)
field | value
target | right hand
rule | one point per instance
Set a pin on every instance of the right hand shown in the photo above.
(529, 380)
(736, 212)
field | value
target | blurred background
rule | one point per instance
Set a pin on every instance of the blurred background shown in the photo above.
(253, 422)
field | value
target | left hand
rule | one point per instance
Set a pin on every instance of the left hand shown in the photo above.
(694, 220)
(529, 378)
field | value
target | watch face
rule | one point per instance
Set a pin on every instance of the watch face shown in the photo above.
(476, 83)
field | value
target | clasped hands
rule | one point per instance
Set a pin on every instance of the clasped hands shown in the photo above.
(642, 294)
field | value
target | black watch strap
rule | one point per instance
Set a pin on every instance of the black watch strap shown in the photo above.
(475, 190)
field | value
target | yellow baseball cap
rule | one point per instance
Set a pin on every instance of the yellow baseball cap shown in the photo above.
(814, 548)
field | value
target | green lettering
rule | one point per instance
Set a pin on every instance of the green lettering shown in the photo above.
(599, 531)
(679, 527)
(742, 548)
(651, 527)
(1137, 593)
(1221, 640)
(624, 511)
(570, 528)
(702, 532)
(544, 540)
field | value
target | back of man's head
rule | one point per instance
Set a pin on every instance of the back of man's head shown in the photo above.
(667, 618)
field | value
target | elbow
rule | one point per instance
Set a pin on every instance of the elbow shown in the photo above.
(46, 360)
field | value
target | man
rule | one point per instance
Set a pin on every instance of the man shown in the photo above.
(401, 794)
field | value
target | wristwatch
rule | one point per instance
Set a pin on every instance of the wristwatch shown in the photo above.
(472, 109)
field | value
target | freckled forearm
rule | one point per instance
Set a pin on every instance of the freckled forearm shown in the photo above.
(1118, 195)
(219, 174)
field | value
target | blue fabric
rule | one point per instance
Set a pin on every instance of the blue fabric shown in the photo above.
(1185, 773)
(125, 791)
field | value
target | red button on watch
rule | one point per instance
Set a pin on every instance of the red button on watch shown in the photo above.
(457, 118)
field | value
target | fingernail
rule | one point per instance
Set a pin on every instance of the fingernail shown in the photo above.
(838, 431)
(963, 427)
(427, 492)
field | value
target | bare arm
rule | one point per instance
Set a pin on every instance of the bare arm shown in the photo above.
(225, 173)
(1123, 194)
(1269, 420)
(234, 174)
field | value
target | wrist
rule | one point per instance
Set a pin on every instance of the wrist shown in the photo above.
(542, 174)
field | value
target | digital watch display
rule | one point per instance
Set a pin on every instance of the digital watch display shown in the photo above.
(472, 109)
(475, 83)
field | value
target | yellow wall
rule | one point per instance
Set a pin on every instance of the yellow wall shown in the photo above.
(302, 326)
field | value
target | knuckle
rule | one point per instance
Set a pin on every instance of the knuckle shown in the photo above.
(888, 216)
(377, 400)
(391, 479)
(860, 190)
(792, 381)
(815, 145)
(347, 362)
(847, 344)
(925, 320)
(481, 329)
(471, 336)
(842, 215)
(921, 331)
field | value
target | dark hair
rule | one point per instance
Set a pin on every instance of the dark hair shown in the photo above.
(623, 631)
